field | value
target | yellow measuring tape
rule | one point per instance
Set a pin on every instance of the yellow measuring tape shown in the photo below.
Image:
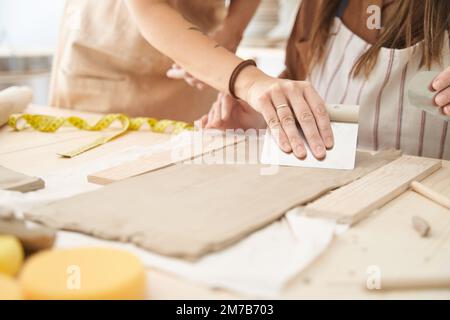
(45, 123)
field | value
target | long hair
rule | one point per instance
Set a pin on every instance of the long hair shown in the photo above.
(415, 20)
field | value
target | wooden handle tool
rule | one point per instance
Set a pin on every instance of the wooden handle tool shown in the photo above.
(430, 194)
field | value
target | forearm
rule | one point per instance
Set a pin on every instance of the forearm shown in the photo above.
(183, 42)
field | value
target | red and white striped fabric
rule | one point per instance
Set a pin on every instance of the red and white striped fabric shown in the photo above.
(386, 119)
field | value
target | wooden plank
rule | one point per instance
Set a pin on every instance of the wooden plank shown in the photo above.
(386, 240)
(355, 201)
(46, 161)
(163, 159)
(422, 282)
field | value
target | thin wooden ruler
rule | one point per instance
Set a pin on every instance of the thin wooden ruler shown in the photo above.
(208, 143)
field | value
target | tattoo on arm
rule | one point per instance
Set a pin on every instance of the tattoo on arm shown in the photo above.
(198, 29)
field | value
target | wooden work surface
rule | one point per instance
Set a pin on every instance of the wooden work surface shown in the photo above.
(385, 239)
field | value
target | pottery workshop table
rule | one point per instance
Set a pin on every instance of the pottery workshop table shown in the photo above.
(386, 238)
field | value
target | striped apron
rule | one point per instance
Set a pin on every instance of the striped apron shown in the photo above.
(387, 120)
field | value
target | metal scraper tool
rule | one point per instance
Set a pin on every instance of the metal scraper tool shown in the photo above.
(421, 96)
(344, 122)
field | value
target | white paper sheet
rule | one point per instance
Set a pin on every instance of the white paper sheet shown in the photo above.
(342, 156)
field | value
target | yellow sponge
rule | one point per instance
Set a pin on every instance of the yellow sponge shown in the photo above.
(84, 273)
(11, 255)
(9, 288)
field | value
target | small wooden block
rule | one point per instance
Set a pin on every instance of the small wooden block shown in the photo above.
(421, 226)
(15, 181)
(352, 203)
(33, 239)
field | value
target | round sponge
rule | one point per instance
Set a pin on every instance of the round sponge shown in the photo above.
(9, 288)
(11, 255)
(83, 273)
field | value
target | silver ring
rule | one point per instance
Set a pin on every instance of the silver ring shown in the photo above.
(281, 106)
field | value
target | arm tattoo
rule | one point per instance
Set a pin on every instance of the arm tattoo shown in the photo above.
(197, 29)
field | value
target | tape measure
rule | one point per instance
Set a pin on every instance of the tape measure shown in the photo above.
(46, 123)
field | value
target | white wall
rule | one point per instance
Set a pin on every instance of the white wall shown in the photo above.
(31, 24)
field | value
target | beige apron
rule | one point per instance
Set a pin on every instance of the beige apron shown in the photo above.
(103, 64)
(387, 120)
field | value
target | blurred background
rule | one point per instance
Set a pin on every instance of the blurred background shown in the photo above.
(29, 35)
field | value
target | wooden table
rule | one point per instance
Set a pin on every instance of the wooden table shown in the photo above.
(385, 240)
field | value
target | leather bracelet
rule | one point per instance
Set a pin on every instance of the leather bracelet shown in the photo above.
(241, 66)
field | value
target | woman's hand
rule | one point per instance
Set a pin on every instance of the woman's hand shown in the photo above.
(442, 85)
(229, 113)
(283, 103)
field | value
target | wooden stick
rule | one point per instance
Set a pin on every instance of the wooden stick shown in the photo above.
(414, 283)
(430, 194)
(164, 159)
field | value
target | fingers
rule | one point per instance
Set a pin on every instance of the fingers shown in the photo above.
(287, 121)
(271, 118)
(317, 106)
(193, 82)
(442, 81)
(442, 99)
(211, 116)
(178, 73)
(202, 122)
(446, 110)
(215, 118)
(226, 107)
(442, 85)
(307, 121)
